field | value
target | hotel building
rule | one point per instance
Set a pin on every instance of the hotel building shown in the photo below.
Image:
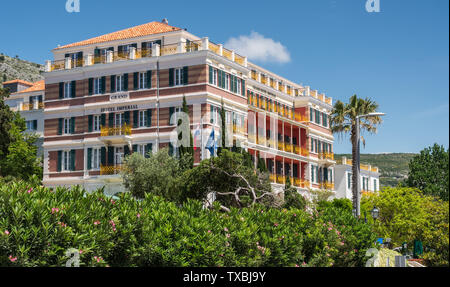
(28, 99)
(120, 93)
(369, 178)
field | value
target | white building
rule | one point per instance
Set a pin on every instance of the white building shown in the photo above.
(369, 179)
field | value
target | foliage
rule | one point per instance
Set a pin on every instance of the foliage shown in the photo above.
(187, 153)
(407, 214)
(155, 174)
(225, 175)
(293, 199)
(18, 152)
(429, 171)
(38, 225)
(342, 203)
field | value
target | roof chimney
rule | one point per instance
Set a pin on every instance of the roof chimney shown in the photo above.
(165, 21)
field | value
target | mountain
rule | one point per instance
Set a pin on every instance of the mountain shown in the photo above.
(393, 167)
(15, 68)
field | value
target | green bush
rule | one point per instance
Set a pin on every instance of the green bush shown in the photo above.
(38, 225)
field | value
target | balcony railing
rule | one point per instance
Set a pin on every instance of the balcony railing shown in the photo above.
(110, 169)
(115, 131)
(327, 185)
(32, 106)
(300, 182)
(281, 179)
(326, 155)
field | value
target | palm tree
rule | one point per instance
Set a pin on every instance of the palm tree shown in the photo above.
(344, 119)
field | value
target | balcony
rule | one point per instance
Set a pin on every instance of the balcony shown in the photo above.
(281, 179)
(281, 145)
(110, 169)
(300, 182)
(326, 156)
(115, 135)
(327, 185)
(301, 117)
(32, 106)
(155, 51)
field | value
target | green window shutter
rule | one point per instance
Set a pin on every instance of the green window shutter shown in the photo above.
(103, 155)
(135, 148)
(186, 75)
(103, 85)
(60, 126)
(74, 88)
(149, 79)
(171, 77)
(113, 84)
(72, 160)
(127, 117)
(311, 114)
(210, 74)
(135, 118)
(35, 125)
(61, 90)
(243, 88)
(171, 111)
(89, 158)
(111, 120)
(58, 168)
(148, 149)
(72, 125)
(90, 119)
(136, 81)
(211, 113)
(126, 150)
(103, 120)
(91, 86)
(125, 84)
(149, 117)
(219, 78)
(110, 155)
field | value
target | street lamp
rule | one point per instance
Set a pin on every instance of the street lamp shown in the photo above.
(358, 171)
(375, 212)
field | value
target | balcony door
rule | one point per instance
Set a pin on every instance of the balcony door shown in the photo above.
(118, 155)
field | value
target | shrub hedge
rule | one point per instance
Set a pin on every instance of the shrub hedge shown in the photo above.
(38, 225)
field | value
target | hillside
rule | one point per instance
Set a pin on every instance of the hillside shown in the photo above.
(15, 68)
(393, 167)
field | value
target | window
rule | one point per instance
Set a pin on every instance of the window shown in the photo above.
(65, 160)
(143, 81)
(118, 155)
(314, 173)
(96, 123)
(317, 116)
(227, 82)
(66, 126)
(120, 83)
(119, 119)
(375, 186)
(214, 77)
(349, 180)
(142, 149)
(67, 90)
(214, 114)
(178, 77)
(95, 158)
(31, 125)
(142, 119)
(97, 86)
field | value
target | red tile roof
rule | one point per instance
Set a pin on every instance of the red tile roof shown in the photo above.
(133, 32)
(37, 86)
(18, 81)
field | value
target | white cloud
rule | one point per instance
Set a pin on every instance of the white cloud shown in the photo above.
(258, 48)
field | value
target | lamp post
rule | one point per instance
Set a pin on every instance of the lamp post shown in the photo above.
(375, 212)
(358, 171)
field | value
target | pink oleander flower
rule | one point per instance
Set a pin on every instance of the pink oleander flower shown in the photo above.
(304, 263)
(96, 222)
(295, 215)
(342, 243)
(81, 251)
(30, 190)
(221, 255)
(275, 224)
(227, 235)
(225, 229)
(296, 265)
(113, 202)
(330, 228)
(138, 215)
(12, 259)
(6, 232)
(227, 244)
(209, 231)
(328, 255)
(55, 210)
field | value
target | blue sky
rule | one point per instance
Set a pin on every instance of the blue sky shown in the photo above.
(398, 57)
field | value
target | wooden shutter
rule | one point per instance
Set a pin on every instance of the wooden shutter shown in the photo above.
(210, 74)
(35, 125)
(110, 155)
(74, 88)
(90, 120)
(127, 117)
(185, 75)
(171, 77)
(148, 148)
(60, 126)
(149, 117)
(103, 155)
(136, 81)
(89, 158)
(149, 79)
(113, 84)
(61, 90)
(91, 86)
(72, 125)
(103, 120)
(135, 145)
(135, 118)
(72, 160)
(126, 150)
(125, 80)
(58, 168)
(103, 85)
(111, 120)
(243, 88)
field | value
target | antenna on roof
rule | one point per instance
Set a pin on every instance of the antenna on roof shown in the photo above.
(165, 21)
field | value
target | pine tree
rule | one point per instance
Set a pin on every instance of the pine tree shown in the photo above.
(223, 131)
(187, 151)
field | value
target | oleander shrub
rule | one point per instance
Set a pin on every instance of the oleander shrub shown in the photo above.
(38, 225)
